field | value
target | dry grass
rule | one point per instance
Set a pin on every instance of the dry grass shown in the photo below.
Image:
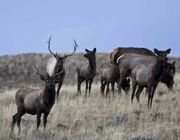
(97, 118)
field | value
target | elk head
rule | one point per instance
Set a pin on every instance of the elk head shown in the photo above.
(162, 54)
(90, 54)
(61, 59)
(50, 81)
(170, 68)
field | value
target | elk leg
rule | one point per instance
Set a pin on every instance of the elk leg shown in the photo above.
(124, 87)
(90, 82)
(121, 80)
(146, 93)
(86, 87)
(134, 89)
(78, 86)
(140, 88)
(149, 95)
(20, 113)
(14, 119)
(107, 89)
(45, 118)
(102, 87)
(19, 122)
(112, 86)
(80, 80)
(58, 89)
(152, 95)
(38, 119)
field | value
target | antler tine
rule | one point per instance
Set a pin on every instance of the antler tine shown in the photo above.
(75, 47)
(75, 43)
(37, 71)
(49, 45)
(57, 74)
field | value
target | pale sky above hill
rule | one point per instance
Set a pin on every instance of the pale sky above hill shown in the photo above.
(105, 24)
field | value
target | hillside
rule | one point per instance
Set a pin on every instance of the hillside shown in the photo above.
(17, 70)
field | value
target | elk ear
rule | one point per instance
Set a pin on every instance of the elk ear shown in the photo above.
(85, 55)
(128, 80)
(168, 50)
(156, 51)
(87, 50)
(94, 50)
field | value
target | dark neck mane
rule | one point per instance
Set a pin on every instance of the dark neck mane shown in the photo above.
(92, 64)
(49, 95)
(58, 69)
(158, 70)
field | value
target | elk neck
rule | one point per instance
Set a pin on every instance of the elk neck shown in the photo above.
(92, 64)
(158, 70)
(59, 68)
(49, 95)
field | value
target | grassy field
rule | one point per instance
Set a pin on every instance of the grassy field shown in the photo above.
(97, 118)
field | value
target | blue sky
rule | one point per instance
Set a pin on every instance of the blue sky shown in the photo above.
(105, 24)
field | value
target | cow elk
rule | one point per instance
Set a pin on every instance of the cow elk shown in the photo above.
(110, 75)
(167, 78)
(118, 52)
(35, 101)
(56, 64)
(114, 55)
(87, 71)
(145, 70)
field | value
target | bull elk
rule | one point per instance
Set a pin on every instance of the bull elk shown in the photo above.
(87, 72)
(56, 64)
(35, 101)
(110, 75)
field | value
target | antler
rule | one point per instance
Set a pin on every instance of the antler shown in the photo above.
(37, 71)
(75, 47)
(57, 74)
(49, 45)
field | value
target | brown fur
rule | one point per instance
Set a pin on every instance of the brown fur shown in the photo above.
(146, 71)
(60, 64)
(119, 51)
(110, 75)
(87, 72)
(167, 78)
(35, 101)
(161, 55)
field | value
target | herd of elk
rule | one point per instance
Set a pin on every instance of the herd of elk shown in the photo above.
(144, 67)
(56, 64)
(86, 71)
(36, 101)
